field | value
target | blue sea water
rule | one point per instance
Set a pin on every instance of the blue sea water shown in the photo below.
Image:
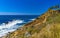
(9, 23)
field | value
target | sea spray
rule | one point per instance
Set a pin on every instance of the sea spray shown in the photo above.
(5, 28)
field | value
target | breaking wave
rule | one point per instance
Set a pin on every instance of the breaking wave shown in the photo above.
(9, 27)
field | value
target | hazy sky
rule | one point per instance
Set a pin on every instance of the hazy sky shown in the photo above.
(25, 7)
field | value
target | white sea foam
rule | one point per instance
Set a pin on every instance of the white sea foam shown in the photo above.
(9, 27)
(32, 19)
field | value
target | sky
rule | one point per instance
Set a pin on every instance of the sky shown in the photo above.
(25, 7)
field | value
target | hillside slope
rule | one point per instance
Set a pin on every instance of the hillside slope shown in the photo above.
(45, 26)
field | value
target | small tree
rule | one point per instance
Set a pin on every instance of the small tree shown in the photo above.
(57, 7)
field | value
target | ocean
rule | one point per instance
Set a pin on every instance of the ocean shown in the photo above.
(9, 23)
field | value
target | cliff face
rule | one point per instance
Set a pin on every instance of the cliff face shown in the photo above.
(45, 26)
